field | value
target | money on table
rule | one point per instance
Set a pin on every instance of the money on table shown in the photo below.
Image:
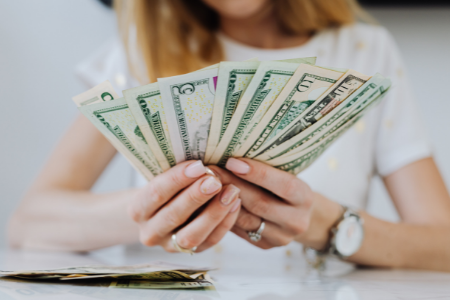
(155, 275)
(283, 113)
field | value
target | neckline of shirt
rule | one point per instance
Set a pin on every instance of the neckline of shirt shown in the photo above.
(232, 46)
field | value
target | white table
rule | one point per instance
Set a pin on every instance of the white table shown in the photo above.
(238, 277)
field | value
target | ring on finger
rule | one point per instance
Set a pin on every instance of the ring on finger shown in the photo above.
(255, 236)
(210, 172)
(181, 249)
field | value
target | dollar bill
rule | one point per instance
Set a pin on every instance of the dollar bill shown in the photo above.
(149, 110)
(367, 93)
(143, 284)
(370, 95)
(297, 162)
(306, 85)
(233, 79)
(266, 85)
(154, 271)
(99, 93)
(189, 99)
(153, 276)
(117, 124)
(304, 159)
(153, 266)
(344, 87)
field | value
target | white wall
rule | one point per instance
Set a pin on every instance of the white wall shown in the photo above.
(42, 41)
(424, 39)
(40, 44)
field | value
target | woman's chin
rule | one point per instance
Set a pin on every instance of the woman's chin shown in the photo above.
(237, 9)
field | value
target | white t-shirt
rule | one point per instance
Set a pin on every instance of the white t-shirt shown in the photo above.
(384, 140)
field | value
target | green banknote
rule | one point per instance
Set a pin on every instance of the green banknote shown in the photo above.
(144, 284)
(117, 124)
(99, 93)
(233, 79)
(342, 113)
(189, 99)
(149, 110)
(336, 94)
(295, 162)
(266, 85)
(306, 85)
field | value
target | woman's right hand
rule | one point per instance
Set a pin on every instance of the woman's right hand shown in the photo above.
(168, 201)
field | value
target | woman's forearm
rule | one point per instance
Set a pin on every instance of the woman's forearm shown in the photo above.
(385, 244)
(64, 220)
(404, 245)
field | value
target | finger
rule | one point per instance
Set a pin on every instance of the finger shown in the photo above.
(196, 232)
(281, 183)
(163, 187)
(217, 234)
(262, 203)
(220, 231)
(180, 208)
(272, 233)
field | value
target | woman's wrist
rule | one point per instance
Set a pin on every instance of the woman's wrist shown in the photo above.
(324, 215)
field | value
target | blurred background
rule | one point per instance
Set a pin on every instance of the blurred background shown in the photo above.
(41, 43)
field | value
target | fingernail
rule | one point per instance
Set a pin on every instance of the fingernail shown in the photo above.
(210, 185)
(235, 206)
(237, 166)
(229, 194)
(195, 170)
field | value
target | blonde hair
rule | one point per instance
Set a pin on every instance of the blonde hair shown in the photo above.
(174, 37)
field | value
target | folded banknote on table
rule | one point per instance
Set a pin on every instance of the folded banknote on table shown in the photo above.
(283, 113)
(154, 275)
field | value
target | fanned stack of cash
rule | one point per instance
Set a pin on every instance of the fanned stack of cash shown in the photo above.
(284, 113)
(156, 275)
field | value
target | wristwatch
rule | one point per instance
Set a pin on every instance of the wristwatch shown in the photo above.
(346, 235)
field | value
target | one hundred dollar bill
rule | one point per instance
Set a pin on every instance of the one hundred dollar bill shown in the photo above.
(266, 85)
(117, 124)
(99, 93)
(149, 110)
(189, 99)
(367, 93)
(233, 79)
(336, 94)
(306, 85)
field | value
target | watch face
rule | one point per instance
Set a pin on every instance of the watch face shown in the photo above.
(349, 236)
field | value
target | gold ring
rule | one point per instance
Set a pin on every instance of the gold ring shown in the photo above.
(181, 249)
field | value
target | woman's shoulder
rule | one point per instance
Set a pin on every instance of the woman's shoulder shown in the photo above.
(367, 48)
(370, 33)
(109, 62)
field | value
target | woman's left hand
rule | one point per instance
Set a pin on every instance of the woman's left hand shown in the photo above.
(284, 202)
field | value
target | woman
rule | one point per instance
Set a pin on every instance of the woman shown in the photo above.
(173, 37)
